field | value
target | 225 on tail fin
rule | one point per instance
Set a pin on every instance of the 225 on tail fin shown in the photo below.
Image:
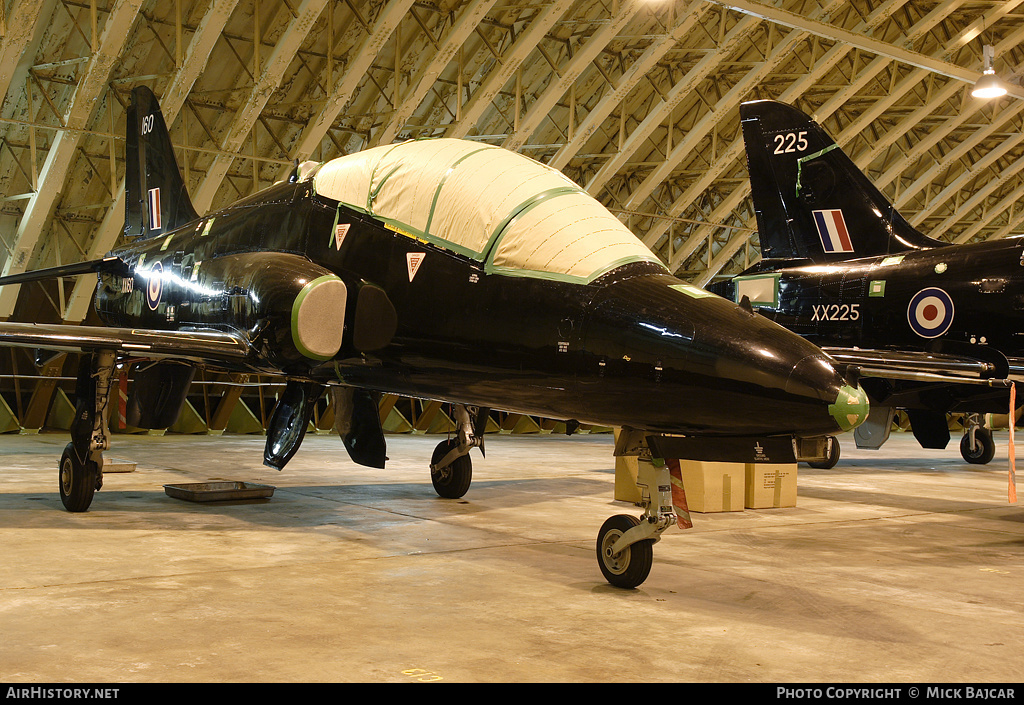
(811, 200)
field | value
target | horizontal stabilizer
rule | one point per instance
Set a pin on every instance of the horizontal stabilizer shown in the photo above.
(107, 265)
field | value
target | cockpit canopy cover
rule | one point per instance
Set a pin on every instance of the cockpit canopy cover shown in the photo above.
(517, 216)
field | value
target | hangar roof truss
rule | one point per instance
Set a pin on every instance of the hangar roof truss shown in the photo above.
(636, 101)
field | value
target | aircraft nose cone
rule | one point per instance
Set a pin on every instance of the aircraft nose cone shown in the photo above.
(850, 408)
(839, 405)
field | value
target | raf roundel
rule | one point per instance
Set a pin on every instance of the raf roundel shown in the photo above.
(930, 312)
(156, 285)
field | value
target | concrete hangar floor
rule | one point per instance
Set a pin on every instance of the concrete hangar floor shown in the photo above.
(898, 565)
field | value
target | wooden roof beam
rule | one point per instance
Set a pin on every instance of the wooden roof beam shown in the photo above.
(268, 81)
(427, 75)
(57, 165)
(507, 66)
(196, 57)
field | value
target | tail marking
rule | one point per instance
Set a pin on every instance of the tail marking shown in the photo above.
(155, 218)
(832, 230)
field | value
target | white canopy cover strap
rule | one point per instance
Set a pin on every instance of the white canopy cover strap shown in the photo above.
(516, 215)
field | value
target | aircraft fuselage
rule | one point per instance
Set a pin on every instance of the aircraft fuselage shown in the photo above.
(966, 299)
(635, 347)
(870, 302)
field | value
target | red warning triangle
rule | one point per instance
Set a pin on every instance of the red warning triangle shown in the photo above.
(414, 260)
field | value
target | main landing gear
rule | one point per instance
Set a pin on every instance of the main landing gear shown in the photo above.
(977, 446)
(81, 465)
(625, 543)
(451, 468)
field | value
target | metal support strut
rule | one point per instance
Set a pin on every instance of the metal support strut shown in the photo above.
(100, 440)
(655, 483)
(468, 436)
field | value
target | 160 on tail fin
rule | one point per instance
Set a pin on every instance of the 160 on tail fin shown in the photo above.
(156, 199)
(811, 200)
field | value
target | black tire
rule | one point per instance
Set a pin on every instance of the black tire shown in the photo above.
(831, 460)
(453, 481)
(985, 450)
(77, 480)
(629, 567)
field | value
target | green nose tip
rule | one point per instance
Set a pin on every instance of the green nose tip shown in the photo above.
(850, 409)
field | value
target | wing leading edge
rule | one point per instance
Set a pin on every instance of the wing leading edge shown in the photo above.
(990, 368)
(204, 346)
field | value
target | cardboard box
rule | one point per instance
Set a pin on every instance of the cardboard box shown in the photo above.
(713, 487)
(770, 485)
(626, 472)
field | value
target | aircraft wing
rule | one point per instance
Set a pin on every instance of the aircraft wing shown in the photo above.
(209, 346)
(979, 365)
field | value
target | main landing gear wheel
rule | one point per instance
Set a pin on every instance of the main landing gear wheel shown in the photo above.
(78, 480)
(450, 482)
(831, 460)
(630, 566)
(984, 447)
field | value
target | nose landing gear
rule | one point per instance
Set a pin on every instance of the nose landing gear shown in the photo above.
(977, 446)
(625, 544)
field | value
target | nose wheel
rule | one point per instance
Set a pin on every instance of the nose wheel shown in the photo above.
(625, 544)
(629, 566)
(977, 446)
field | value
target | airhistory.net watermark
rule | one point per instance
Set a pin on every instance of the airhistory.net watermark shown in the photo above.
(50, 693)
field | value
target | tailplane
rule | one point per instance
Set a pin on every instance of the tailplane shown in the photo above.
(811, 200)
(156, 200)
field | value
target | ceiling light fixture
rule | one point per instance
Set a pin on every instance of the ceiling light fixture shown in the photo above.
(988, 86)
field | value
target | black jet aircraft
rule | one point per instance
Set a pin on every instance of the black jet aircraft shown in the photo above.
(437, 269)
(935, 328)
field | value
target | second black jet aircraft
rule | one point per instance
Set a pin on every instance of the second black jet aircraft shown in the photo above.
(935, 328)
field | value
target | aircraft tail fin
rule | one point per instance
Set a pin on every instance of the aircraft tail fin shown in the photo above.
(811, 200)
(156, 199)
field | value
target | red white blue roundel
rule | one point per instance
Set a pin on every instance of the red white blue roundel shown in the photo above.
(930, 313)
(156, 286)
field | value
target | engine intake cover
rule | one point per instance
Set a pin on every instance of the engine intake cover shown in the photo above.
(318, 308)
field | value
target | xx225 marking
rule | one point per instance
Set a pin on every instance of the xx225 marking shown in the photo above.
(836, 312)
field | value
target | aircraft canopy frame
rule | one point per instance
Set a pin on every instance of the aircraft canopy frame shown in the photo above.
(486, 203)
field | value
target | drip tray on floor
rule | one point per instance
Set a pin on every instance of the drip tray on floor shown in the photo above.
(219, 491)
